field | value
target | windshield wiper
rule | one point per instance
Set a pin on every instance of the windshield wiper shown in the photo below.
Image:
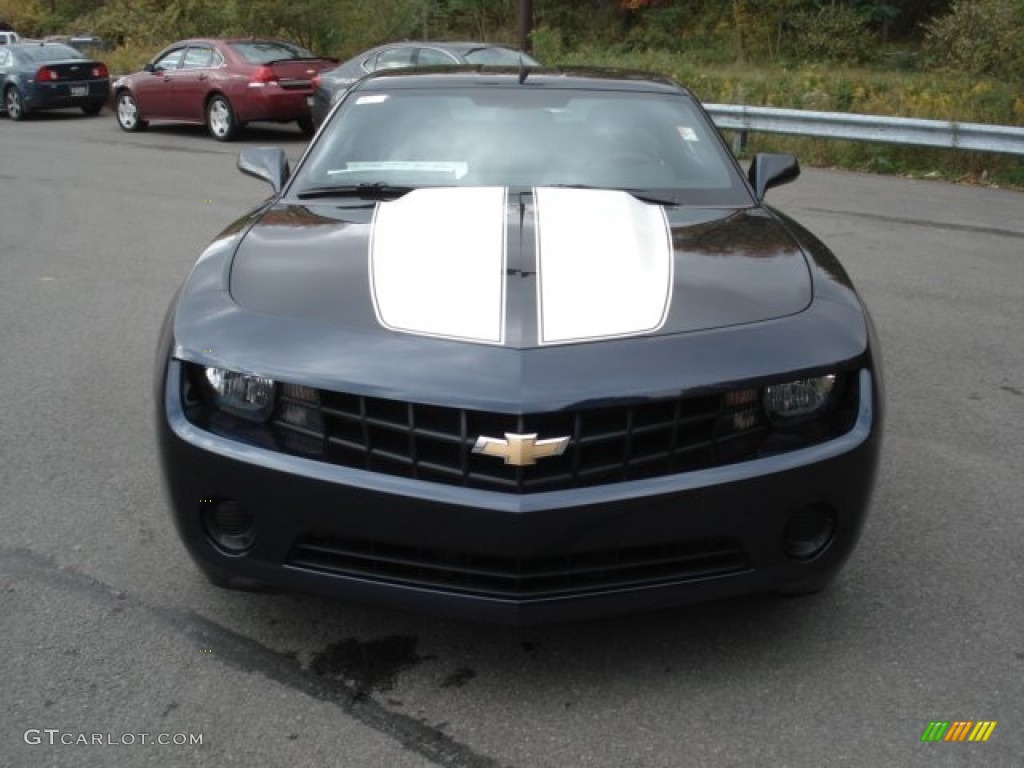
(642, 195)
(371, 190)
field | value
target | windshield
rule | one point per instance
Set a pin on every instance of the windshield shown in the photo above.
(266, 51)
(524, 136)
(50, 52)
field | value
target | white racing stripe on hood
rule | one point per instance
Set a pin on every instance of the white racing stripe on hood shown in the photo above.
(437, 263)
(604, 264)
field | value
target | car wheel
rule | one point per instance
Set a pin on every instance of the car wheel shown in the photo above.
(307, 126)
(220, 119)
(14, 104)
(92, 109)
(128, 112)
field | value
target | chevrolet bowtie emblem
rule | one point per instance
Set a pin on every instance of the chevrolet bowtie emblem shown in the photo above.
(521, 450)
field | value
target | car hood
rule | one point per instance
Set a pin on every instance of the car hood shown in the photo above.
(544, 268)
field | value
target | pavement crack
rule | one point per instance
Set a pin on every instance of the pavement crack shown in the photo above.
(921, 222)
(248, 655)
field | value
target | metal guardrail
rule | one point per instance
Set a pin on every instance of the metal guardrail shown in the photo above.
(892, 130)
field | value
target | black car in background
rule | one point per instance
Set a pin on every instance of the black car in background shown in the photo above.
(328, 86)
(521, 346)
(40, 75)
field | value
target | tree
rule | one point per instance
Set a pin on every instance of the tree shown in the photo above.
(982, 37)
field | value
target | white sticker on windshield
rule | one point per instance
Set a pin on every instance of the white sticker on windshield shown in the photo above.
(687, 133)
(455, 168)
(373, 98)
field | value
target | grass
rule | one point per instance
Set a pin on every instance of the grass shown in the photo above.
(932, 95)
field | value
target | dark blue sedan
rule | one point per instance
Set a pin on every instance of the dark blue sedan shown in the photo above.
(38, 76)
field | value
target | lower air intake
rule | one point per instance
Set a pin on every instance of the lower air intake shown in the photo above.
(529, 578)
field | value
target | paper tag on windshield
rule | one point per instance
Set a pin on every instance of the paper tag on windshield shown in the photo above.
(687, 133)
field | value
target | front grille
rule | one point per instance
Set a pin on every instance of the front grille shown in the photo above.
(528, 578)
(432, 443)
(640, 439)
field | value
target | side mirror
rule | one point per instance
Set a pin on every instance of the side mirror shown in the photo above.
(149, 67)
(267, 163)
(768, 170)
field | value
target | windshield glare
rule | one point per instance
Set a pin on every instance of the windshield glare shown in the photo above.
(524, 137)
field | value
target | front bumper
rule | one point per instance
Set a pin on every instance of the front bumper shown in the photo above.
(511, 558)
(319, 104)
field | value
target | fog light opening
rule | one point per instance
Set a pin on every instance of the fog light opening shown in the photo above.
(228, 524)
(809, 532)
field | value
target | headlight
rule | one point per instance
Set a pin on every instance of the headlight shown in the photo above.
(798, 400)
(249, 397)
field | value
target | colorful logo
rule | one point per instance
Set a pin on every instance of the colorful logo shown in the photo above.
(958, 730)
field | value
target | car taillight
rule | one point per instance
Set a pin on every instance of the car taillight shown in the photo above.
(100, 70)
(45, 74)
(264, 75)
(316, 81)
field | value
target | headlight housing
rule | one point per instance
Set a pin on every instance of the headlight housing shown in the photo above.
(785, 416)
(244, 395)
(793, 402)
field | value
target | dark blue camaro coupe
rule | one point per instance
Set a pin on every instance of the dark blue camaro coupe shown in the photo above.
(520, 346)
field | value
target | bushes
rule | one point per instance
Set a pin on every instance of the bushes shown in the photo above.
(933, 95)
(982, 37)
(838, 35)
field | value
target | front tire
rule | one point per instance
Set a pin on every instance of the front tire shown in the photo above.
(220, 119)
(14, 104)
(128, 113)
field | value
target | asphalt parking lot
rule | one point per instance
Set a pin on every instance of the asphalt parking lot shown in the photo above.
(107, 629)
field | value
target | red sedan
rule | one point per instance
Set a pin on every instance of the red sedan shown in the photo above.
(222, 84)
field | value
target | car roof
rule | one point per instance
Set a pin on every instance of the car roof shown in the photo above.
(593, 78)
(458, 46)
(24, 44)
(233, 40)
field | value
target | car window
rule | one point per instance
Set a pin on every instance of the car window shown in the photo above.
(392, 58)
(501, 57)
(169, 60)
(50, 52)
(525, 137)
(198, 57)
(266, 51)
(431, 57)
